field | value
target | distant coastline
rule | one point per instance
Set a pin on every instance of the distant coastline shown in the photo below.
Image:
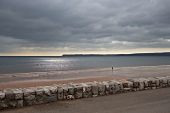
(135, 54)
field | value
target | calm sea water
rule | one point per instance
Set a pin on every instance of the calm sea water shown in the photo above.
(44, 64)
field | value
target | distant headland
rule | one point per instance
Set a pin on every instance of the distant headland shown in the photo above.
(135, 54)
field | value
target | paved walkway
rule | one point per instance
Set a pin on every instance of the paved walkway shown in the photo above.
(151, 101)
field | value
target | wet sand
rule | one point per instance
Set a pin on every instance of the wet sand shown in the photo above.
(52, 82)
(19, 80)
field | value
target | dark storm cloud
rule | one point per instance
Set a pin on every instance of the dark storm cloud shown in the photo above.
(52, 25)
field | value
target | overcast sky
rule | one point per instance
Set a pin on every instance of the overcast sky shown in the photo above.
(56, 27)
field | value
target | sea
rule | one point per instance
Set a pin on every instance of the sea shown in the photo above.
(28, 64)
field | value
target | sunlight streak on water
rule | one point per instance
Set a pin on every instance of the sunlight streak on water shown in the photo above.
(44, 64)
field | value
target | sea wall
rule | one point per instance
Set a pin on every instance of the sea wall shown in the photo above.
(16, 98)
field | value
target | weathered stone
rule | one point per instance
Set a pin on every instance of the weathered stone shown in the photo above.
(95, 90)
(153, 87)
(127, 85)
(71, 90)
(70, 97)
(87, 90)
(18, 94)
(124, 83)
(168, 80)
(141, 85)
(40, 95)
(20, 103)
(39, 91)
(13, 94)
(12, 104)
(3, 104)
(29, 102)
(50, 98)
(154, 82)
(65, 92)
(78, 91)
(60, 93)
(107, 88)
(135, 84)
(47, 92)
(112, 86)
(163, 81)
(40, 99)
(118, 87)
(29, 96)
(9, 94)
(102, 89)
(2, 95)
(157, 83)
(112, 89)
(15, 103)
(53, 90)
(145, 81)
(28, 91)
(15, 98)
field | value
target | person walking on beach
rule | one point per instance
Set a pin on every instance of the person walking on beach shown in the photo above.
(112, 70)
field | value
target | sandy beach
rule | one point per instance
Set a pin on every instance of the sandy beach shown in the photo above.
(20, 80)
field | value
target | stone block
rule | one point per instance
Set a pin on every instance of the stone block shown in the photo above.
(78, 91)
(12, 104)
(39, 91)
(13, 94)
(40, 95)
(154, 82)
(135, 84)
(40, 99)
(102, 88)
(163, 81)
(52, 89)
(50, 94)
(18, 94)
(47, 91)
(112, 88)
(29, 96)
(9, 94)
(29, 102)
(157, 83)
(107, 88)
(168, 80)
(2, 95)
(65, 92)
(87, 90)
(20, 103)
(50, 98)
(118, 87)
(95, 90)
(70, 90)
(28, 91)
(127, 85)
(3, 104)
(60, 93)
(141, 85)
(70, 97)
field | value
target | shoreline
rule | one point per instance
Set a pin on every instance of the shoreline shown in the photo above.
(58, 77)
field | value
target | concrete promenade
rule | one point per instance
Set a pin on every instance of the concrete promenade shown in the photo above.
(147, 101)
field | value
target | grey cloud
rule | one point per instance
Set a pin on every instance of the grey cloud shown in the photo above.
(80, 24)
